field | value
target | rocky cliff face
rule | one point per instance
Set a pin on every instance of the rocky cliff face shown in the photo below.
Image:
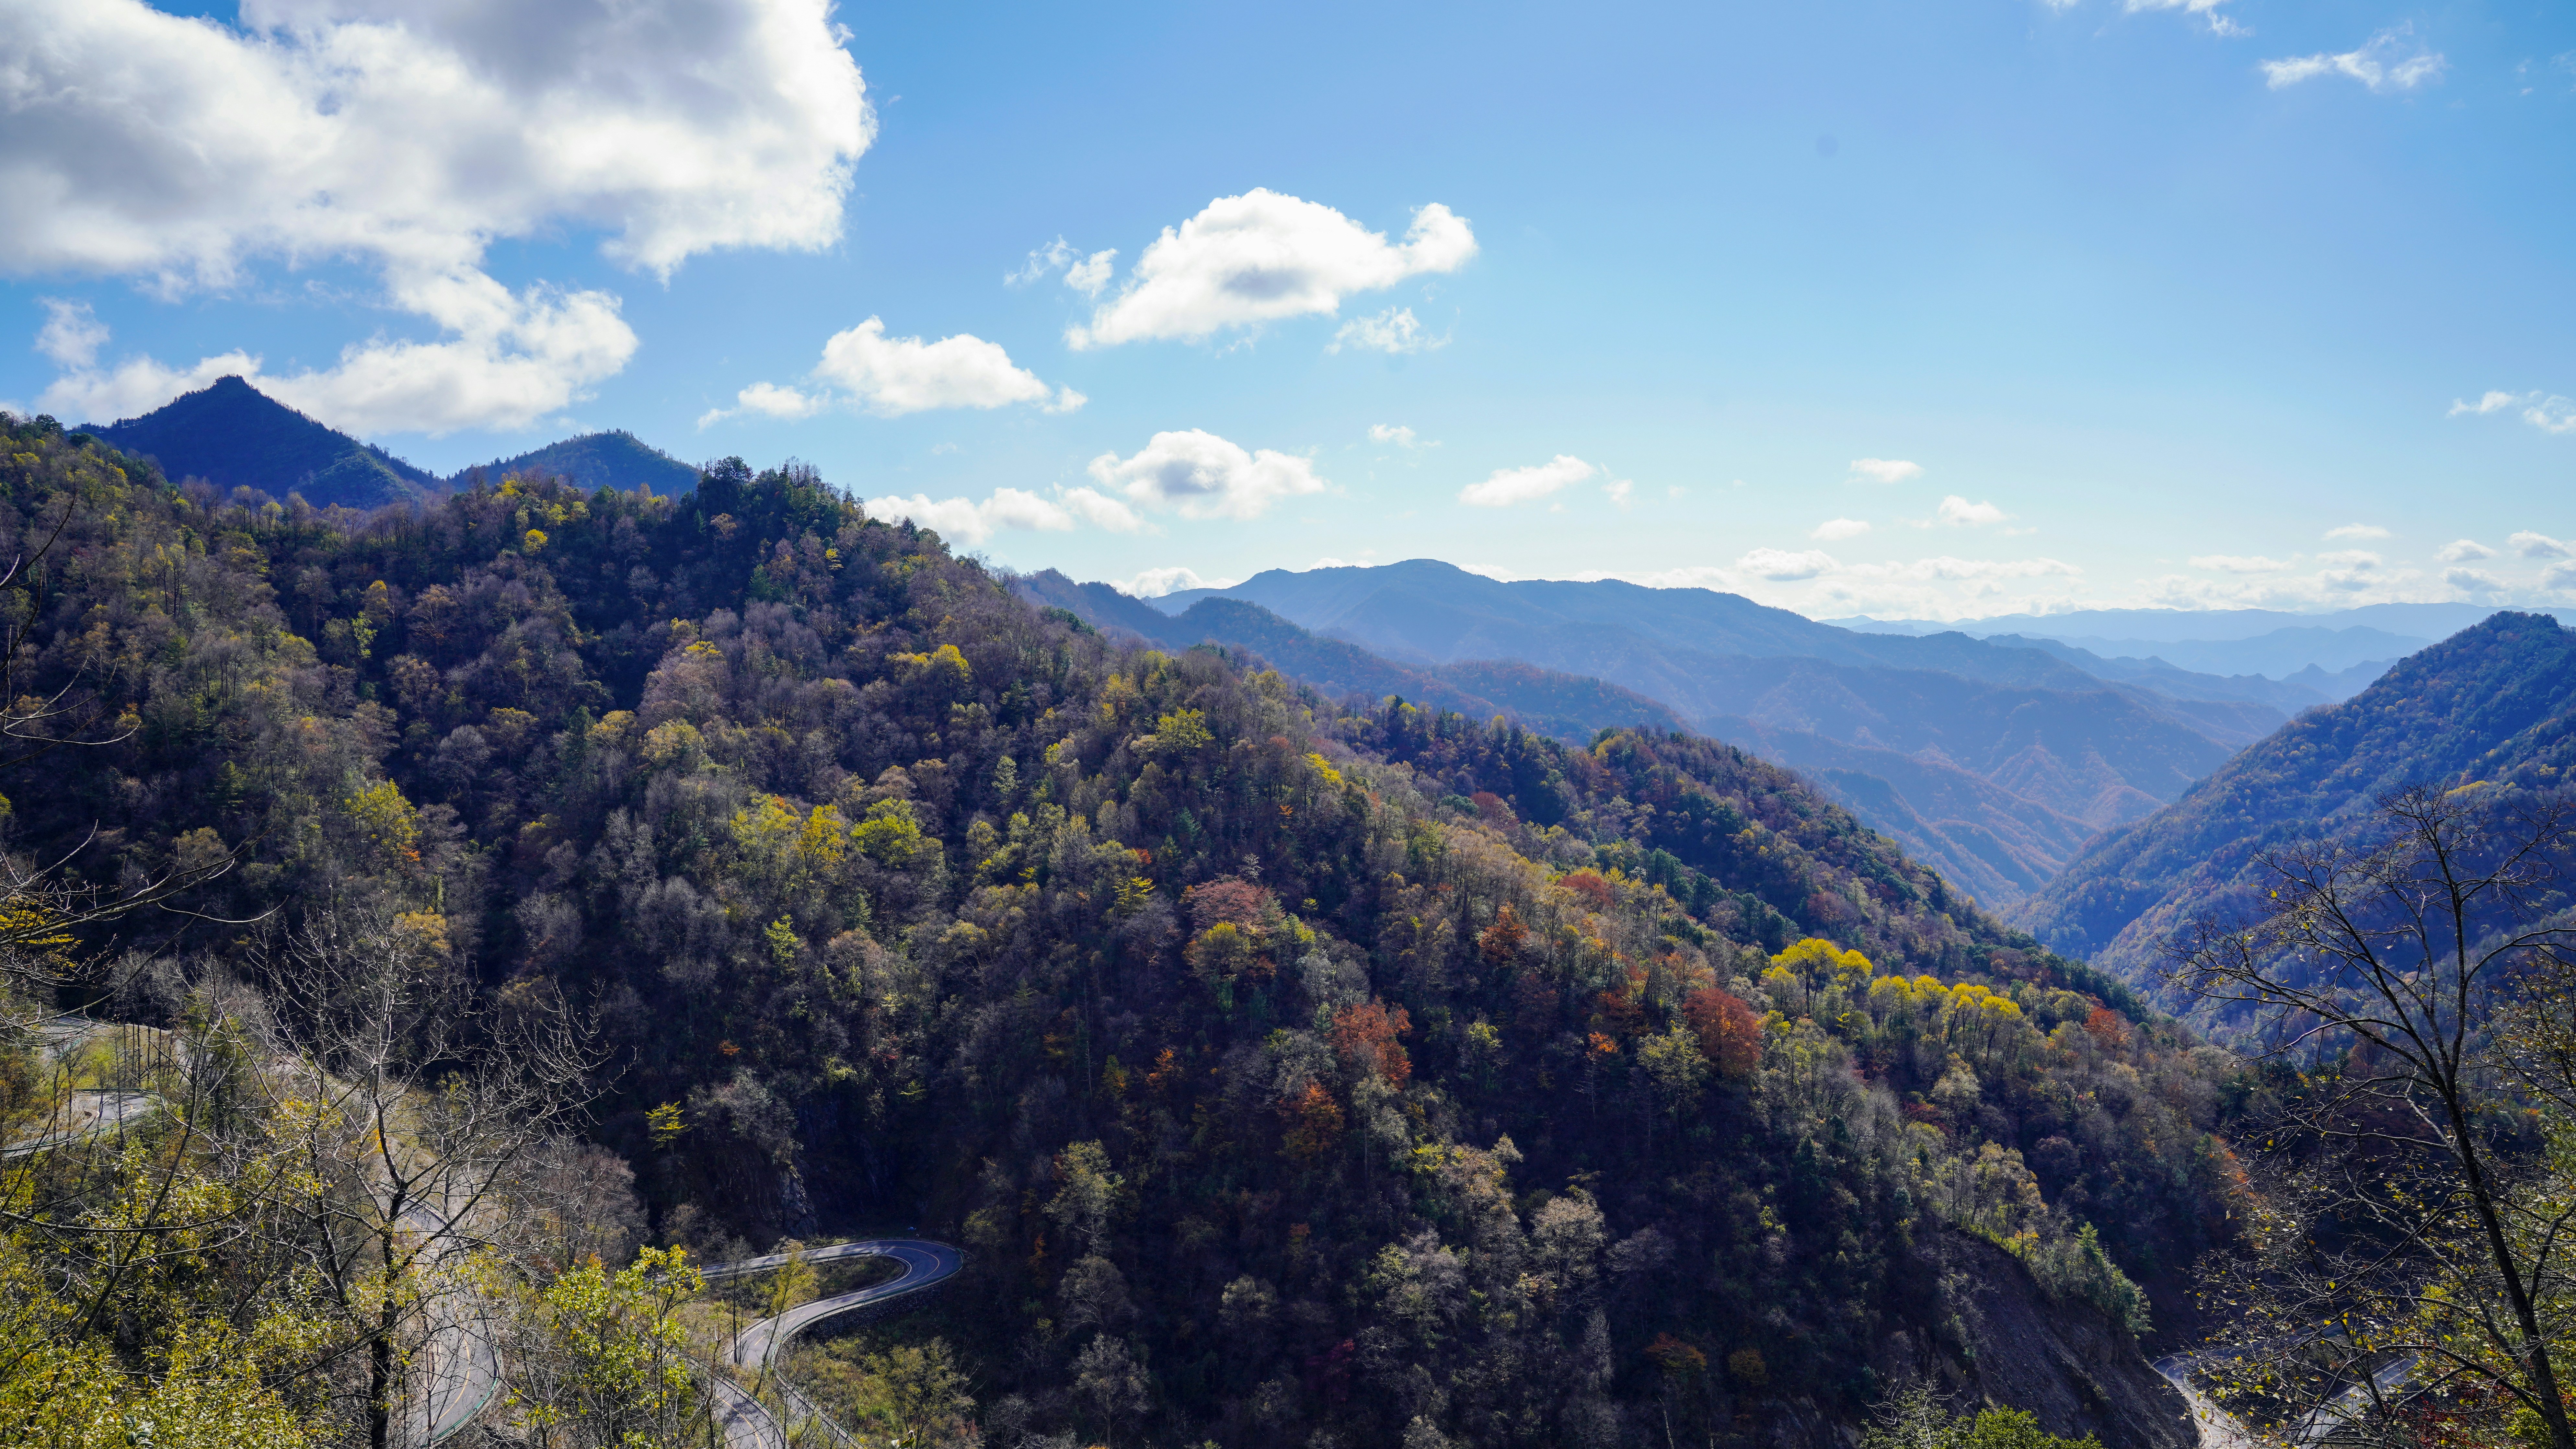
(2069, 1364)
(2001, 1343)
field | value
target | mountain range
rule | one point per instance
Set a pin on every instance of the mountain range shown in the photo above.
(1994, 760)
(2494, 704)
(232, 435)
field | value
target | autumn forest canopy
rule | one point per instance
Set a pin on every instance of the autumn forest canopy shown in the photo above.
(685, 876)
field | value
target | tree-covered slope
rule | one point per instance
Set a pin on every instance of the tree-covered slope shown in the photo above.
(234, 436)
(616, 459)
(2493, 704)
(1292, 1075)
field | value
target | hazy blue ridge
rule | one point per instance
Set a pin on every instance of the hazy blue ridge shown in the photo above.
(2493, 703)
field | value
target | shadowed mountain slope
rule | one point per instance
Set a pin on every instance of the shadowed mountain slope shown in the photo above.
(2494, 704)
(618, 460)
(235, 436)
(2059, 742)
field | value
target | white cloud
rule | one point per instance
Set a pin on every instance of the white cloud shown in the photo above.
(71, 335)
(891, 376)
(408, 139)
(963, 518)
(2356, 532)
(2206, 9)
(2472, 581)
(2539, 545)
(1780, 566)
(772, 401)
(514, 358)
(1496, 572)
(2465, 550)
(2559, 576)
(1398, 434)
(1101, 511)
(1154, 583)
(2545, 411)
(134, 386)
(1833, 530)
(1958, 512)
(2243, 564)
(1508, 486)
(1087, 275)
(1886, 470)
(1204, 476)
(1620, 491)
(1392, 331)
(1263, 256)
(2380, 65)
(1090, 276)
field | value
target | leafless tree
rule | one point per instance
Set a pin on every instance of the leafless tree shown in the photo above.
(417, 1121)
(2409, 1230)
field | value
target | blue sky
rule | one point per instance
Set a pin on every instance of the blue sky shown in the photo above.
(2073, 307)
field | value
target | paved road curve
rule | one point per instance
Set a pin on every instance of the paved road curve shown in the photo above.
(745, 1423)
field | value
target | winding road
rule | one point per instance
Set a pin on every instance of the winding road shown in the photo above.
(747, 1425)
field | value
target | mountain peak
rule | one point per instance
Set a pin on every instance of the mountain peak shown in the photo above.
(234, 436)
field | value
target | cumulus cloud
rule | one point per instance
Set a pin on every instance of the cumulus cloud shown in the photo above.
(1781, 566)
(1101, 511)
(2538, 545)
(1261, 257)
(1958, 512)
(1085, 274)
(2242, 564)
(2464, 550)
(135, 386)
(1833, 530)
(973, 522)
(1885, 470)
(2356, 532)
(513, 358)
(1508, 486)
(2206, 10)
(72, 335)
(408, 139)
(1204, 476)
(2394, 61)
(2545, 411)
(1397, 434)
(1391, 331)
(892, 376)
(1620, 491)
(1154, 583)
(2472, 581)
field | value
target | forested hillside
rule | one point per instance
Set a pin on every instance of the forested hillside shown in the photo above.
(1291, 1075)
(2494, 705)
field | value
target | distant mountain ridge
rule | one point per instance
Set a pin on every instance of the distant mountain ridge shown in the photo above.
(235, 436)
(1990, 761)
(1561, 706)
(2495, 704)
